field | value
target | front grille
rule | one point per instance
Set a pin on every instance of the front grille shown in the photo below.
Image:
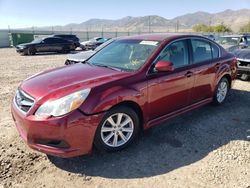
(243, 63)
(23, 101)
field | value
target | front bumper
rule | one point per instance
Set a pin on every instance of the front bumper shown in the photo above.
(20, 50)
(67, 136)
(243, 70)
(243, 66)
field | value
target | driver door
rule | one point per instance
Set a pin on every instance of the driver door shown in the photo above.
(44, 46)
(170, 91)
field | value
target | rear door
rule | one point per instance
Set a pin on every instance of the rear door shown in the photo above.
(205, 60)
(59, 44)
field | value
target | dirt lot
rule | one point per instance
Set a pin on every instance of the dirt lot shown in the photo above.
(204, 148)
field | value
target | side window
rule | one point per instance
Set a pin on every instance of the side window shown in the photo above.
(215, 51)
(48, 41)
(201, 50)
(248, 40)
(59, 41)
(177, 53)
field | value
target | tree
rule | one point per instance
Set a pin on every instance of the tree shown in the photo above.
(202, 28)
(217, 28)
(222, 28)
(245, 28)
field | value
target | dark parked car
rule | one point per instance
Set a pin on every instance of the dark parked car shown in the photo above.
(82, 56)
(50, 44)
(72, 38)
(93, 43)
(239, 45)
(130, 85)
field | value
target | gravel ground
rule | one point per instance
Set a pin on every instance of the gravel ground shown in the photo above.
(207, 147)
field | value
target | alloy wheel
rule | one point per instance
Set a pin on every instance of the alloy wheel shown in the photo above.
(117, 129)
(222, 91)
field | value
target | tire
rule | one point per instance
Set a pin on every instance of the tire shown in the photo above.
(244, 77)
(65, 50)
(221, 91)
(116, 137)
(31, 51)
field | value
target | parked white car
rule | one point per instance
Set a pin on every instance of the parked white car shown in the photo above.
(92, 43)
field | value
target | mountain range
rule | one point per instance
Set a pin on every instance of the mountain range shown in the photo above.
(232, 18)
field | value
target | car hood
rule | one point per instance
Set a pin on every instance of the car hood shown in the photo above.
(59, 82)
(82, 56)
(85, 42)
(230, 48)
(243, 54)
(25, 44)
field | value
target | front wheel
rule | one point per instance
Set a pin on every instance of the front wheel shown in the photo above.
(221, 91)
(118, 129)
(31, 51)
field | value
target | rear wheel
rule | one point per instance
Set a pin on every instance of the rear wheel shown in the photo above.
(118, 129)
(221, 91)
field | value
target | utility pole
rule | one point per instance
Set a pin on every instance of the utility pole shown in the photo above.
(87, 33)
(210, 21)
(149, 24)
(177, 26)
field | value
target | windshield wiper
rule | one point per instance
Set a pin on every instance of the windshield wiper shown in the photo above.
(106, 66)
(86, 62)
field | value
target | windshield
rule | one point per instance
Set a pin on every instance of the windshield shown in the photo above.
(37, 41)
(103, 45)
(128, 55)
(228, 40)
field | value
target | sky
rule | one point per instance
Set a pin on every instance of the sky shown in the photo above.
(28, 13)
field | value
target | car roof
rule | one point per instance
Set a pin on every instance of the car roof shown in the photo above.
(160, 36)
(54, 38)
(234, 35)
(64, 35)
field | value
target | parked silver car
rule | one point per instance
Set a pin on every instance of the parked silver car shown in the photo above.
(82, 56)
(239, 45)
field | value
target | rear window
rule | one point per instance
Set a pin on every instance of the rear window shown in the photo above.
(201, 50)
(215, 51)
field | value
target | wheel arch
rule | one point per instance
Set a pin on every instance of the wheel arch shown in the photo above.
(229, 79)
(134, 106)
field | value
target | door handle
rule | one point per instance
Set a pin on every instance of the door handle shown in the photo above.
(189, 74)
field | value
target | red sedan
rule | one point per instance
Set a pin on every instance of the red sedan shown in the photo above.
(131, 84)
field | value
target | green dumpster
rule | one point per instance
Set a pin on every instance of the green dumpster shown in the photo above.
(19, 38)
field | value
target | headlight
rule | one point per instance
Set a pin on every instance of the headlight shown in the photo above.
(21, 47)
(63, 105)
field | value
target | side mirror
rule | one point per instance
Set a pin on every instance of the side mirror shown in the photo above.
(164, 66)
(42, 41)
